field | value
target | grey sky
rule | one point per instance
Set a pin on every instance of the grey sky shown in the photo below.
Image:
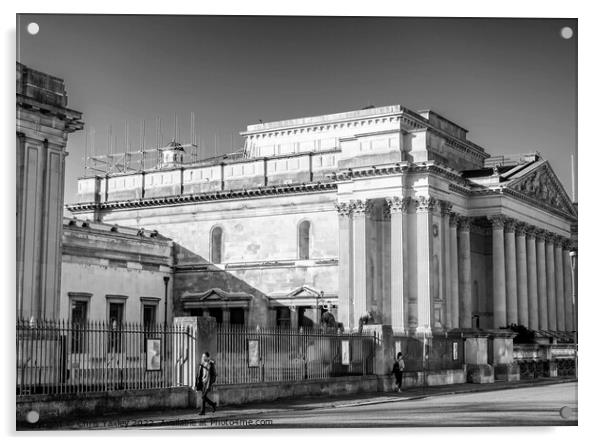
(511, 82)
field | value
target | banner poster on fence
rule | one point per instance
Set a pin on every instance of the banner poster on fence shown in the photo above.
(253, 347)
(455, 351)
(153, 354)
(345, 352)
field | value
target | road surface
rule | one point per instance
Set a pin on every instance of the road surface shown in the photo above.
(528, 406)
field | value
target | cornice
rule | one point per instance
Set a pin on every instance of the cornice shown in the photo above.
(274, 190)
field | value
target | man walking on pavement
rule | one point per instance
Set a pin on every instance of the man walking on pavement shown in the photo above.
(204, 381)
(398, 368)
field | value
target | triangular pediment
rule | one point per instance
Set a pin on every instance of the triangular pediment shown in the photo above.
(540, 183)
(216, 294)
(304, 291)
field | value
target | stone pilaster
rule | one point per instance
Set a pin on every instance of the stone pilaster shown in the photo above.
(532, 279)
(551, 282)
(398, 210)
(424, 245)
(465, 274)
(345, 307)
(542, 299)
(499, 271)
(521, 275)
(568, 290)
(453, 275)
(559, 272)
(360, 303)
(445, 242)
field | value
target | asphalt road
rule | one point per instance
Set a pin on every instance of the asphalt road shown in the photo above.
(530, 406)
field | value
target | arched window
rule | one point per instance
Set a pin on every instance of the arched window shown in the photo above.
(216, 245)
(303, 240)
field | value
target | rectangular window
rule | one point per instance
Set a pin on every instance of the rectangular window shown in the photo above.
(283, 317)
(79, 318)
(115, 325)
(149, 321)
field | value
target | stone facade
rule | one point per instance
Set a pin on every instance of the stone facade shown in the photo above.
(381, 213)
(43, 125)
(106, 265)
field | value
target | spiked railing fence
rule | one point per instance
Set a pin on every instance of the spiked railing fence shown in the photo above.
(61, 357)
(251, 355)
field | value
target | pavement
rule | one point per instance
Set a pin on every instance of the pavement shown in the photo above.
(226, 415)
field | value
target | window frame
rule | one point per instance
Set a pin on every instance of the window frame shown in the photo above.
(79, 338)
(299, 228)
(115, 344)
(212, 244)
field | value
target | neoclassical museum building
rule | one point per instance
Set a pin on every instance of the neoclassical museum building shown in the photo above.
(382, 212)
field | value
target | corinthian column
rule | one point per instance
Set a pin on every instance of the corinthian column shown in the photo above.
(360, 305)
(559, 272)
(532, 279)
(499, 271)
(445, 234)
(424, 246)
(345, 309)
(398, 208)
(542, 288)
(521, 275)
(551, 281)
(568, 290)
(465, 275)
(511, 290)
(453, 254)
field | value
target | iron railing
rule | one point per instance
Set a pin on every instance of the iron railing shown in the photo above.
(61, 357)
(433, 353)
(252, 355)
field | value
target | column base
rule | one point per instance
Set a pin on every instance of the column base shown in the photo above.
(509, 372)
(479, 374)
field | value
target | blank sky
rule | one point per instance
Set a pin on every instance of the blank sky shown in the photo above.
(511, 82)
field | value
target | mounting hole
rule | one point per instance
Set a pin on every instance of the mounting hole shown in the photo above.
(33, 416)
(566, 412)
(33, 28)
(566, 32)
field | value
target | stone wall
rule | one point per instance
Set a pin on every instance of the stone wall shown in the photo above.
(103, 261)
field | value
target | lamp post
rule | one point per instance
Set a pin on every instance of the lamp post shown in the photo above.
(573, 255)
(166, 281)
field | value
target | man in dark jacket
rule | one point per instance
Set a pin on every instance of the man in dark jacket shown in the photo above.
(204, 381)
(398, 368)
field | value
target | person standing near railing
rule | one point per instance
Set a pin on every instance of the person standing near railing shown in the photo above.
(205, 379)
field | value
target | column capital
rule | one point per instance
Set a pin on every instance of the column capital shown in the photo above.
(521, 228)
(343, 208)
(464, 223)
(425, 204)
(397, 204)
(509, 225)
(566, 244)
(497, 221)
(549, 237)
(360, 207)
(453, 219)
(540, 234)
(558, 240)
(530, 231)
(445, 207)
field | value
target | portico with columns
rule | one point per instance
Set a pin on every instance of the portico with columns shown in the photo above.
(486, 258)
